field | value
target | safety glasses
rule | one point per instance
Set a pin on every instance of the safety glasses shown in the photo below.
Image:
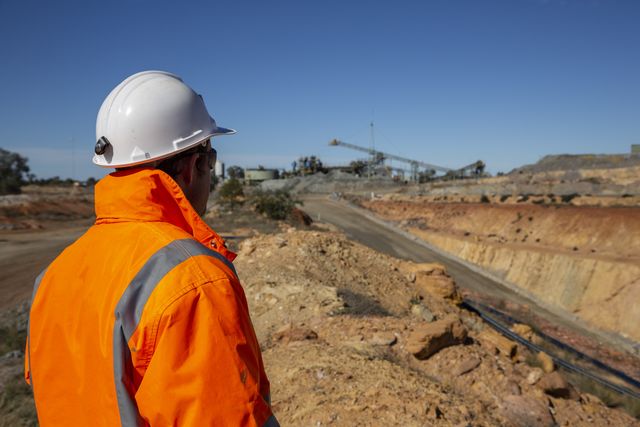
(212, 156)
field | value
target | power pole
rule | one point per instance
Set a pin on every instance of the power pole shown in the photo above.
(373, 151)
(73, 159)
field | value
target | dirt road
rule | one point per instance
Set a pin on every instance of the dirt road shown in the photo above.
(397, 243)
(24, 254)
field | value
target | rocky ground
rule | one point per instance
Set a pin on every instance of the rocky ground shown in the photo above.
(353, 337)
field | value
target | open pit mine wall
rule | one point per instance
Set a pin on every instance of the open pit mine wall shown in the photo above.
(581, 260)
(605, 294)
(596, 182)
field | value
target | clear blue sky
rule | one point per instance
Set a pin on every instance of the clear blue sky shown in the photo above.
(446, 81)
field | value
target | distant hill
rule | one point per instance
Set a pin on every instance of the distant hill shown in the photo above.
(567, 162)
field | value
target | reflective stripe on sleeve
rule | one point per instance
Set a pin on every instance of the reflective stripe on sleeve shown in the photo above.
(129, 312)
(36, 285)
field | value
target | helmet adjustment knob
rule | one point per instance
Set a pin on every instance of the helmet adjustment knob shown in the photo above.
(101, 145)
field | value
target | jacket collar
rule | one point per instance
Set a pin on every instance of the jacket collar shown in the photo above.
(150, 195)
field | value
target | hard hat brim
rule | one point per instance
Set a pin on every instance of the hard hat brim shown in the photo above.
(223, 131)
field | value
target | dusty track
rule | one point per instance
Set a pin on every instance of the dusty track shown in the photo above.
(23, 255)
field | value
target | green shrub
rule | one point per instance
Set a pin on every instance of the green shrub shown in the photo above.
(231, 193)
(274, 204)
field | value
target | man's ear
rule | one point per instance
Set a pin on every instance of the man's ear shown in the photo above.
(187, 168)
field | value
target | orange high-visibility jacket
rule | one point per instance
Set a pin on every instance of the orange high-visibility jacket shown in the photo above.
(142, 321)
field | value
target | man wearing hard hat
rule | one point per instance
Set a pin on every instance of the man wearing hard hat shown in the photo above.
(142, 321)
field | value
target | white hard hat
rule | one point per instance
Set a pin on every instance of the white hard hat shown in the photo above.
(151, 116)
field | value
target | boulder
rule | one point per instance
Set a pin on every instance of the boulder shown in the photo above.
(555, 385)
(467, 365)
(523, 330)
(590, 403)
(422, 312)
(301, 217)
(492, 339)
(383, 339)
(525, 411)
(546, 362)
(247, 247)
(437, 286)
(432, 280)
(534, 376)
(289, 333)
(429, 338)
(410, 269)
(431, 268)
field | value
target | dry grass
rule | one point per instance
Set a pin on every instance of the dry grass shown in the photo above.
(16, 399)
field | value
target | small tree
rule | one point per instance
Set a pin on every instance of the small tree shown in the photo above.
(235, 172)
(231, 193)
(13, 172)
(275, 204)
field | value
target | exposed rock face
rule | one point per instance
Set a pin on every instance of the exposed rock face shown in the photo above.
(600, 291)
(582, 260)
(429, 338)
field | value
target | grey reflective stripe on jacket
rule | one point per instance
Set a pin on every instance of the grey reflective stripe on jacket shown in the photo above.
(36, 285)
(129, 312)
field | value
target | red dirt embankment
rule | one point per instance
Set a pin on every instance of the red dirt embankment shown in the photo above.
(585, 260)
(45, 207)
